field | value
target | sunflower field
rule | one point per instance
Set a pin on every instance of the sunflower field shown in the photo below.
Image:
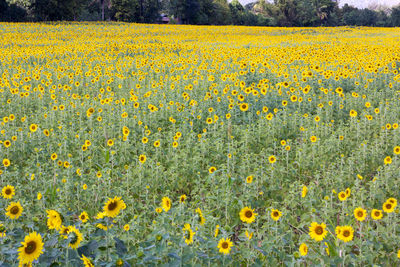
(175, 145)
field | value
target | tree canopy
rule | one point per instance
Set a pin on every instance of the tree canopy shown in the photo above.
(203, 12)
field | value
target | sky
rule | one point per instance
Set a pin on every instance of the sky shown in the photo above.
(356, 3)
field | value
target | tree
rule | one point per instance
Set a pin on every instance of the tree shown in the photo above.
(220, 14)
(151, 9)
(395, 16)
(57, 9)
(3, 9)
(125, 10)
(103, 5)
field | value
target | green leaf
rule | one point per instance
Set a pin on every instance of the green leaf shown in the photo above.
(120, 246)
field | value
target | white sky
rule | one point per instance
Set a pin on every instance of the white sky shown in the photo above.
(366, 3)
(356, 3)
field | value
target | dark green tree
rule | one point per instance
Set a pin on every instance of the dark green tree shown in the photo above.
(395, 16)
(3, 10)
(126, 10)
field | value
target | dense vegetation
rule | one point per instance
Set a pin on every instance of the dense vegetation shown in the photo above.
(140, 145)
(202, 12)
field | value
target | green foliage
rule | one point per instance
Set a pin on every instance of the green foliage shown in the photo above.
(395, 16)
(125, 10)
(297, 13)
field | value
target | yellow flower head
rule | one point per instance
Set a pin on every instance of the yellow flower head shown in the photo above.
(303, 249)
(360, 214)
(225, 245)
(318, 231)
(31, 249)
(14, 210)
(247, 215)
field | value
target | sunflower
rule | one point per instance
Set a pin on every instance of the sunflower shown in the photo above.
(84, 217)
(348, 192)
(360, 214)
(14, 210)
(31, 248)
(313, 139)
(75, 237)
(216, 232)
(376, 214)
(142, 158)
(110, 142)
(346, 233)
(33, 128)
(127, 227)
(201, 218)
(7, 143)
(318, 231)
(338, 229)
(393, 201)
(249, 235)
(249, 179)
(212, 169)
(113, 207)
(166, 204)
(54, 156)
(275, 214)
(63, 231)
(156, 143)
(86, 261)
(8, 192)
(396, 150)
(353, 113)
(272, 159)
(6, 162)
(182, 198)
(388, 207)
(387, 160)
(303, 249)
(225, 245)
(247, 215)
(342, 196)
(304, 191)
(188, 234)
(398, 254)
(54, 220)
(2, 231)
(244, 107)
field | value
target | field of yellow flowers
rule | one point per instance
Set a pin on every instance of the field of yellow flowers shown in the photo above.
(146, 145)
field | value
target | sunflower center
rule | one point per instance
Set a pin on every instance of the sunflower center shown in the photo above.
(377, 213)
(248, 214)
(225, 245)
(187, 234)
(112, 206)
(360, 214)
(74, 238)
(14, 210)
(8, 191)
(346, 233)
(276, 214)
(388, 206)
(319, 230)
(30, 247)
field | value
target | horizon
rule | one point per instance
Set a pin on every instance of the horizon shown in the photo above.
(355, 3)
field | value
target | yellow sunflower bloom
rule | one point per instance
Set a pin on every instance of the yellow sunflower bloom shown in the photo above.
(31, 249)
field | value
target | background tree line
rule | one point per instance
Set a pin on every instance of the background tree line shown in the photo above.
(203, 12)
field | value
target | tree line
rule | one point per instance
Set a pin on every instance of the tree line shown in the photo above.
(202, 12)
